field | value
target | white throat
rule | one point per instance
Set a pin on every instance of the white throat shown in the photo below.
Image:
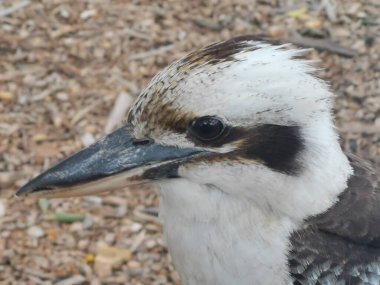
(215, 239)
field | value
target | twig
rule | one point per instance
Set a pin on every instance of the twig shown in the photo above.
(11, 75)
(153, 52)
(39, 274)
(139, 214)
(330, 9)
(135, 34)
(86, 110)
(137, 241)
(129, 85)
(359, 128)
(20, 5)
(208, 24)
(48, 92)
(7, 129)
(324, 45)
(118, 111)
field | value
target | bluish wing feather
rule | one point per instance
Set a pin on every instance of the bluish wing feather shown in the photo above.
(341, 246)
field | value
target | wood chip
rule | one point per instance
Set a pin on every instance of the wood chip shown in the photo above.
(2, 208)
(118, 112)
(108, 257)
(12, 9)
(73, 280)
(153, 52)
(9, 178)
(6, 96)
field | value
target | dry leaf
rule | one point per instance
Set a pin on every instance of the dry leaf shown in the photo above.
(39, 137)
(298, 13)
(6, 96)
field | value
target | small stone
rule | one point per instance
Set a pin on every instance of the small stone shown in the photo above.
(377, 122)
(136, 227)
(36, 232)
(57, 121)
(83, 244)
(87, 14)
(64, 13)
(94, 200)
(135, 268)
(134, 264)
(62, 96)
(121, 211)
(2, 208)
(76, 227)
(150, 244)
(109, 238)
(88, 222)
(87, 139)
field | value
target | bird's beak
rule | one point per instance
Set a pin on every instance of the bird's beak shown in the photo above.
(115, 161)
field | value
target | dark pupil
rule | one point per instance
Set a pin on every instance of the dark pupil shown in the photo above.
(207, 128)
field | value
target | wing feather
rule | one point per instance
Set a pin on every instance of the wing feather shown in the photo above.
(342, 246)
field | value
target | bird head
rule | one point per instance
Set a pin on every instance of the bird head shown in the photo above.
(241, 116)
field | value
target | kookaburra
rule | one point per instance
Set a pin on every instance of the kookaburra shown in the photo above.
(255, 188)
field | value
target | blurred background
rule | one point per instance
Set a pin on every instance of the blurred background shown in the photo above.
(69, 70)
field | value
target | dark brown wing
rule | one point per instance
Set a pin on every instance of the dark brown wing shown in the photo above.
(342, 246)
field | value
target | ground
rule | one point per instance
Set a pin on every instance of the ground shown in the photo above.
(65, 64)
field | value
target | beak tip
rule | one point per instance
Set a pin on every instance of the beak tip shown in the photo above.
(24, 190)
(18, 195)
(32, 186)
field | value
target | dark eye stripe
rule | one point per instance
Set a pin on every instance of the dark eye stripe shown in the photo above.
(277, 147)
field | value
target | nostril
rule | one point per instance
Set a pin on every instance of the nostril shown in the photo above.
(142, 141)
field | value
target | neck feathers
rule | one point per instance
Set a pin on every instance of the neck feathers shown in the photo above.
(215, 239)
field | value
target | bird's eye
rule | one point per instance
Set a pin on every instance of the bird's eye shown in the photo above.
(207, 128)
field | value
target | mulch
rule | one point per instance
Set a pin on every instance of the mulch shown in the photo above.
(64, 64)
